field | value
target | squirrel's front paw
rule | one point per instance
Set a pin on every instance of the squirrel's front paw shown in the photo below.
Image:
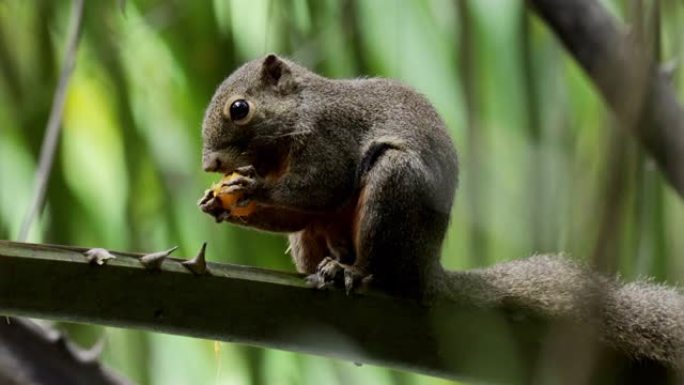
(333, 273)
(245, 184)
(232, 197)
(211, 205)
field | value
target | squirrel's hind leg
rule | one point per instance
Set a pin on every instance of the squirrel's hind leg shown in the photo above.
(326, 252)
(398, 230)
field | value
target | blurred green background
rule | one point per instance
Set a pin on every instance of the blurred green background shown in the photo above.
(545, 168)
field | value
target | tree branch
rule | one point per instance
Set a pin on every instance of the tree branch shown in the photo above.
(621, 67)
(485, 330)
(34, 355)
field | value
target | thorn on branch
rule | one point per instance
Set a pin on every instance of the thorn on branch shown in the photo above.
(153, 261)
(98, 256)
(197, 265)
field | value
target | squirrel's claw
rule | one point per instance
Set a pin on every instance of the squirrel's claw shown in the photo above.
(331, 272)
(245, 183)
(212, 206)
(208, 196)
(354, 280)
(241, 184)
(329, 269)
(246, 186)
(316, 281)
(248, 171)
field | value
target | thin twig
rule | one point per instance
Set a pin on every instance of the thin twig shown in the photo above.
(52, 130)
(469, 75)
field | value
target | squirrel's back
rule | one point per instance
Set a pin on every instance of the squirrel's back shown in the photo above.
(386, 111)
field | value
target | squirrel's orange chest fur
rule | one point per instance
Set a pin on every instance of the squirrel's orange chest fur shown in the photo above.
(329, 234)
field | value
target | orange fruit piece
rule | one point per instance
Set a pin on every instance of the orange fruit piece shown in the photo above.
(229, 200)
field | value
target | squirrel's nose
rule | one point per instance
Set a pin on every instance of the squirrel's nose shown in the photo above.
(211, 162)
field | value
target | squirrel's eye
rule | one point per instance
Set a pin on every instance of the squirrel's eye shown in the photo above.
(239, 110)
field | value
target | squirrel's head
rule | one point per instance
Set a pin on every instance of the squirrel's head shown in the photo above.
(256, 106)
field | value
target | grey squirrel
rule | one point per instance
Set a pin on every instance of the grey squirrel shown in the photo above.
(361, 174)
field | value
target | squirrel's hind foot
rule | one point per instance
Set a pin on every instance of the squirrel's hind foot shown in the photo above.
(331, 272)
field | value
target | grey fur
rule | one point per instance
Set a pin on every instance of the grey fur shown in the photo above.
(640, 319)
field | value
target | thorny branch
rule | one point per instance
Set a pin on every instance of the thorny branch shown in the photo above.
(486, 330)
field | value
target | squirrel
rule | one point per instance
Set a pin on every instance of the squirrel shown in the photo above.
(362, 173)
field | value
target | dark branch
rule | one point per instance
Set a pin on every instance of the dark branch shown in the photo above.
(34, 355)
(494, 325)
(622, 68)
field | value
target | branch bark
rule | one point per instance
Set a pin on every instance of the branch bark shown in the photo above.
(621, 67)
(486, 331)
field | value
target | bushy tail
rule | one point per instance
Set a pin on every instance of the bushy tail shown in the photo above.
(642, 320)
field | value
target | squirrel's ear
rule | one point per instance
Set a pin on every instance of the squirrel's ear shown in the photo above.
(275, 71)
